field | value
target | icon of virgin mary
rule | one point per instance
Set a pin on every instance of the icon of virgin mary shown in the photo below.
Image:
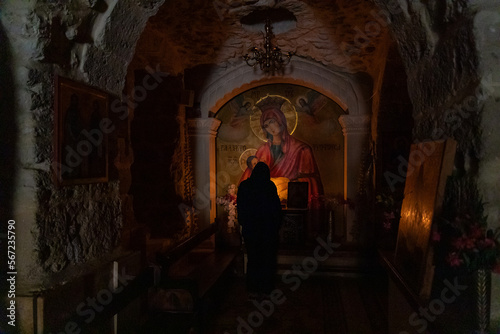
(286, 156)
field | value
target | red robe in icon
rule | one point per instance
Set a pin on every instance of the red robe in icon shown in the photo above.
(297, 162)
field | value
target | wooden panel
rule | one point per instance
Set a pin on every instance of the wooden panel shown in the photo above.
(430, 163)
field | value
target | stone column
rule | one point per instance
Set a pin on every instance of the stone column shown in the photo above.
(202, 132)
(356, 130)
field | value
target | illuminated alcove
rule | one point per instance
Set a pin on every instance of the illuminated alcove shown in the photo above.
(351, 92)
(312, 118)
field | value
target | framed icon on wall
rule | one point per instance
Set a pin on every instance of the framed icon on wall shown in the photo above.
(81, 128)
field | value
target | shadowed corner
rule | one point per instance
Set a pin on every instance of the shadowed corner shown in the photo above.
(8, 151)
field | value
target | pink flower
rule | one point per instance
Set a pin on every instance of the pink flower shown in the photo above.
(436, 236)
(490, 243)
(476, 231)
(486, 243)
(459, 243)
(231, 198)
(464, 243)
(454, 260)
(470, 243)
(389, 215)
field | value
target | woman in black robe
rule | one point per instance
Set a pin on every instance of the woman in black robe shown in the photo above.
(259, 214)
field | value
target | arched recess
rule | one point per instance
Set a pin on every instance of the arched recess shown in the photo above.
(350, 91)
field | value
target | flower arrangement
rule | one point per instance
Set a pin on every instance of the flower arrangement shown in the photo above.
(229, 203)
(469, 244)
(391, 207)
(462, 239)
(332, 202)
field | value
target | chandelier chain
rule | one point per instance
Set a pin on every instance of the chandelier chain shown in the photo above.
(272, 59)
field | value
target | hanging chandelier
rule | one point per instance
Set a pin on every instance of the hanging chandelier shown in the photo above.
(271, 60)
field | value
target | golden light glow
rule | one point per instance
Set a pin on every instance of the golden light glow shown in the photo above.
(282, 186)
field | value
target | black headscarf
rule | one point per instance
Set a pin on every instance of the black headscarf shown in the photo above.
(259, 207)
(261, 173)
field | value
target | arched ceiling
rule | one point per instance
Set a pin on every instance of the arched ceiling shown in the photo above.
(342, 35)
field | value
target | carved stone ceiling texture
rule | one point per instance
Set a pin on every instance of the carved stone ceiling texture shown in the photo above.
(347, 35)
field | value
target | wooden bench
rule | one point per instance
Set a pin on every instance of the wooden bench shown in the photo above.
(194, 267)
(191, 266)
(188, 272)
(102, 320)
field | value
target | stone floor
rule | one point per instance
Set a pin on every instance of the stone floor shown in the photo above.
(351, 305)
(318, 305)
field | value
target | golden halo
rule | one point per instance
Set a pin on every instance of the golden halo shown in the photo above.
(288, 110)
(244, 156)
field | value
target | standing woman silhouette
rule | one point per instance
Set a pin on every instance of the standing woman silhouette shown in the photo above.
(259, 214)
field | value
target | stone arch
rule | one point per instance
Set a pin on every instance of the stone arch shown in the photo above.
(349, 91)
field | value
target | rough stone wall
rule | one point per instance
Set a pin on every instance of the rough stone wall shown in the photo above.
(449, 79)
(450, 50)
(487, 29)
(76, 224)
(91, 41)
(343, 35)
(436, 42)
(8, 134)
